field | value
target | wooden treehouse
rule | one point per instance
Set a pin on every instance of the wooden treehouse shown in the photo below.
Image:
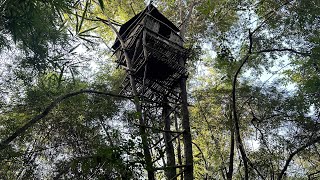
(156, 53)
(152, 52)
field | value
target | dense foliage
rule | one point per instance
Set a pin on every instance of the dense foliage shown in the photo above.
(253, 88)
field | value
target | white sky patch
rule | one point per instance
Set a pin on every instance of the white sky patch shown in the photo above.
(96, 55)
(312, 111)
(253, 144)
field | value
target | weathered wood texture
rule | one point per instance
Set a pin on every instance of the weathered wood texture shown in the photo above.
(163, 71)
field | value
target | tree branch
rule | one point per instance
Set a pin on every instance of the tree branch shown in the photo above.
(312, 174)
(48, 109)
(310, 143)
(204, 159)
(245, 159)
(234, 107)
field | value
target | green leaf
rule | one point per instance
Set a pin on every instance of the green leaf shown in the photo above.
(77, 23)
(83, 15)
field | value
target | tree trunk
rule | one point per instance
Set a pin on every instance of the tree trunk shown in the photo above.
(170, 172)
(188, 173)
(231, 156)
(187, 140)
(235, 112)
(178, 146)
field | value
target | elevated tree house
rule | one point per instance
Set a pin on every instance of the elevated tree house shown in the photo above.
(155, 49)
(149, 47)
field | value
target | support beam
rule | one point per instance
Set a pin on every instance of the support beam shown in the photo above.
(143, 133)
(170, 172)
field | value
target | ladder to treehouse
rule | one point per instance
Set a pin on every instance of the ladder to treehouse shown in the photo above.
(154, 49)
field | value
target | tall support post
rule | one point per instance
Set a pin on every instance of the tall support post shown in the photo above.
(142, 127)
(171, 162)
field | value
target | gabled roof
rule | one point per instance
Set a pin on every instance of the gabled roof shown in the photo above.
(153, 11)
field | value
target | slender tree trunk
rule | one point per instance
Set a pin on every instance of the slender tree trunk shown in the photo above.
(188, 174)
(231, 156)
(238, 135)
(178, 147)
(170, 172)
(187, 140)
(235, 112)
